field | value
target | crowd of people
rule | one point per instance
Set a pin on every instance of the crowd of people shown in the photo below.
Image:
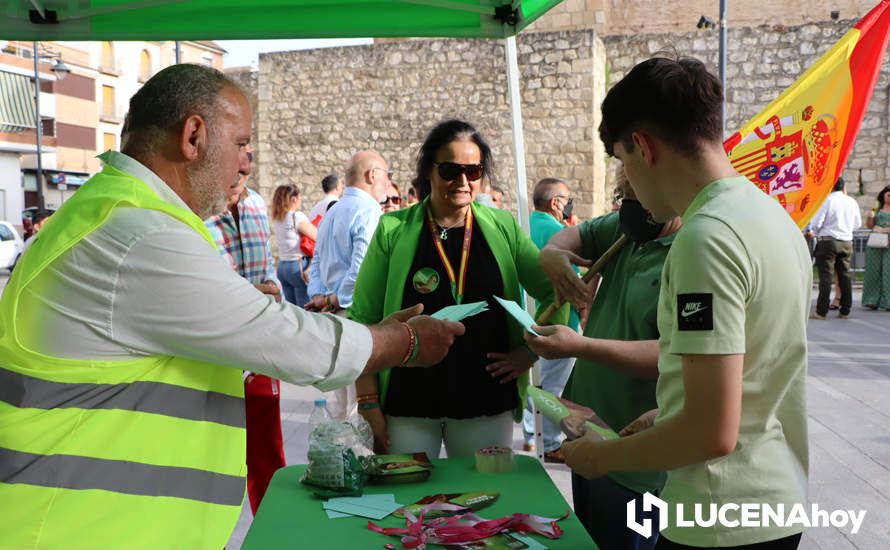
(151, 309)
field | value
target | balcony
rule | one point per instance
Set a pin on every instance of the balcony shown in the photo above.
(109, 67)
(109, 112)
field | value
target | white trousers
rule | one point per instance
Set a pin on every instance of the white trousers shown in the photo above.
(462, 437)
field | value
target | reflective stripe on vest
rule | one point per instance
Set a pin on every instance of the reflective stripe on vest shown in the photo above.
(132, 478)
(20, 390)
(147, 452)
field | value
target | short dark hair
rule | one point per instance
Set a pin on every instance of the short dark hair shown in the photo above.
(677, 100)
(167, 99)
(40, 216)
(544, 191)
(440, 136)
(839, 185)
(330, 182)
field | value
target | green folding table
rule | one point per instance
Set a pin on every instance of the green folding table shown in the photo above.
(292, 517)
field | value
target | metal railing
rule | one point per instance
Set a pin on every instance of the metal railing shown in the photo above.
(860, 237)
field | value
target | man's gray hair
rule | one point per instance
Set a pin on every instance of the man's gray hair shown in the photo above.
(161, 106)
(545, 190)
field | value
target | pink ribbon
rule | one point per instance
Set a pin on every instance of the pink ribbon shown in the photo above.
(464, 528)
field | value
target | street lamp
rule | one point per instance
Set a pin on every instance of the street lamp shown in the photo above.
(705, 22)
(61, 71)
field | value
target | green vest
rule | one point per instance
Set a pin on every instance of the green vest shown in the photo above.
(147, 452)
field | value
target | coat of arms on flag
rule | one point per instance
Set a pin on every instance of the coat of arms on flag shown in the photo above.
(796, 148)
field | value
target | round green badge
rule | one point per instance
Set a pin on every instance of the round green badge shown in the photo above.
(425, 280)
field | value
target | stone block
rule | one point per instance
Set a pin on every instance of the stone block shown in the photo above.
(737, 56)
(869, 175)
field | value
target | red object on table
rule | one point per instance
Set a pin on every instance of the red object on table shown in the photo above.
(265, 448)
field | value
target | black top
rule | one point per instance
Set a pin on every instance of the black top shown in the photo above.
(459, 386)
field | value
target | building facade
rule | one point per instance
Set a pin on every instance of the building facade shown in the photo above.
(316, 107)
(80, 115)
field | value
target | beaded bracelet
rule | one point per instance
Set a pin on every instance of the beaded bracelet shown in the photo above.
(411, 353)
(416, 350)
(367, 397)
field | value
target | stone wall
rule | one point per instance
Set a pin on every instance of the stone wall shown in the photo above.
(627, 17)
(573, 15)
(317, 107)
(246, 77)
(761, 63)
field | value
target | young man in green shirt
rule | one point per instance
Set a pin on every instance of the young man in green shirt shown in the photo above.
(618, 353)
(735, 296)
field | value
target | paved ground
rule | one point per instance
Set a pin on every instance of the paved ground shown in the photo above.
(849, 381)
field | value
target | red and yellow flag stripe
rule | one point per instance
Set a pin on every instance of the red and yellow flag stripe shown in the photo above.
(796, 148)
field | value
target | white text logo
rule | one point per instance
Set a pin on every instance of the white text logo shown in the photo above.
(749, 514)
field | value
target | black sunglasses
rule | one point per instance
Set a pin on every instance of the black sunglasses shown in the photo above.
(450, 171)
(395, 199)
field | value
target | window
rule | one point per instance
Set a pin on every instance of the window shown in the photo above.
(144, 66)
(208, 60)
(6, 233)
(48, 126)
(108, 104)
(109, 142)
(108, 56)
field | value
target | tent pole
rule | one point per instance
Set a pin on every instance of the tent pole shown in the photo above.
(518, 140)
(522, 204)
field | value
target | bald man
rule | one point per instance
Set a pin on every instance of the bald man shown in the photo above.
(343, 238)
(345, 232)
(125, 333)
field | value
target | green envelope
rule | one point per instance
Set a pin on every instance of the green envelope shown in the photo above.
(554, 411)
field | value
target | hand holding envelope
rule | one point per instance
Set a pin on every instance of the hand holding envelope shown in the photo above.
(521, 316)
(460, 311)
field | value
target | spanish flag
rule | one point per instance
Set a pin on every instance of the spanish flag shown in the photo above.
(796, 148)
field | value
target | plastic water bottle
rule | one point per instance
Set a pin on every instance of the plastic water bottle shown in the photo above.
(320, 414)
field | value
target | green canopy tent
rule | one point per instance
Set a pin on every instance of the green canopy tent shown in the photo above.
(261, 19)
(265, 19)
(254, 19)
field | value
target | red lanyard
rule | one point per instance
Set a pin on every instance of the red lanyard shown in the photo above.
(457, 283)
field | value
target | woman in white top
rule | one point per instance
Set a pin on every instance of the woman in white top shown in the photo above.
(289, 224)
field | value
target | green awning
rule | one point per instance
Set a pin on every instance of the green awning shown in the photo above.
(262, 19)
(17, 110)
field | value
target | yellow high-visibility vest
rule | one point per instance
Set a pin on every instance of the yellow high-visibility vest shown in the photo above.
(142, 453)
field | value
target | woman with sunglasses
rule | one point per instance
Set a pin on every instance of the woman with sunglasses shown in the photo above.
(289, 224)
(449, 250)
(393, 200)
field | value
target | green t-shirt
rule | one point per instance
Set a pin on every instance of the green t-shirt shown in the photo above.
(542, 227)
(738, 281)
(625, 308)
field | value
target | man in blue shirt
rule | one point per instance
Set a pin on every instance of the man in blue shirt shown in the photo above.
(343, 238)
(552, 202)
(345, 232)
